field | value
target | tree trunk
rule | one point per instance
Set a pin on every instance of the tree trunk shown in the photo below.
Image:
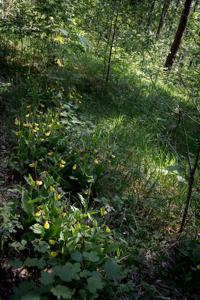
(162, 16)
(179, 34)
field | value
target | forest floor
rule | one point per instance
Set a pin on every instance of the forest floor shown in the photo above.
(135, 126)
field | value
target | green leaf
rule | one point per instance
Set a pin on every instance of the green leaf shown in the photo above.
(23, 288)
(16, 263)
(83, 200)
(61, 291)
(37, 228)
(94, 283)
(30, 180)
(19, 246)
(68, 272)
(35, 262)
(113, 270)
(27, 208)
(77, 256)
(31, 296)
(91, 256)
(46, 278)
(41, 246)
(85, 274)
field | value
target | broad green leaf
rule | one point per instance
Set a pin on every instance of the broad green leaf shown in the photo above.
(94, 283)
(46, 278)
(91, 256)
(41, 246)
(16, 263)
(61, 291)
(23, 289)
(19, 246)
(68, 272)
(35, 262)
(37, 228)
(77, 256)
(85, 274)
(31, 296)
(113, 270)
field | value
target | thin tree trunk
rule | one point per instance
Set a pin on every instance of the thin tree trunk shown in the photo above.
(179, 34)
(111, 46)
(190, 187)
(109, 34)
(162, 16)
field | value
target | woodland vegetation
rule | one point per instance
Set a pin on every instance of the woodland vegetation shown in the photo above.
(99, 149)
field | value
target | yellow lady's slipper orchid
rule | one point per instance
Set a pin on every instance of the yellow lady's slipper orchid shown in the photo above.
(38, 213)
(74, 167)
(27, 125)
(39, 182)
(198, 267)
(60, 39)
(59, 63)
(108, 230)
(52, 242)
(53, 253)
(52, 189)
(47, 133)
(64, 214)
(32, 165)
(96, 161)
(57, 196)
(103, 211)
(78, 226)
(87, 192)
(46, 225)
(17, 122)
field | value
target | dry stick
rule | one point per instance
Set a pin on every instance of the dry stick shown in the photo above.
(192, 171)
